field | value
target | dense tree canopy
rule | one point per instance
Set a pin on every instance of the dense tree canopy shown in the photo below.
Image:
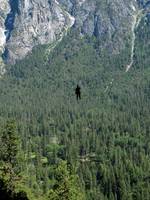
(94, 149)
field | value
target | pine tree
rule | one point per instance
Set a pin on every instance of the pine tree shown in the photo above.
(9, 144)
(66, 185)
(9, 173)
(8, 153)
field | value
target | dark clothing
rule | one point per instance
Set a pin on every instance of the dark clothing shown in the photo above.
(78, 92)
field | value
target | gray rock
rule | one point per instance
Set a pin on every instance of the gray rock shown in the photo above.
(38, 22)
(4, 9)
(46, 21)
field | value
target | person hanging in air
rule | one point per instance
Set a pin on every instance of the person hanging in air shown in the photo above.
(78, 92)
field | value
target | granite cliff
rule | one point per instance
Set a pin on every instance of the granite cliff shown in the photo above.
(4, 9)
(28, 23)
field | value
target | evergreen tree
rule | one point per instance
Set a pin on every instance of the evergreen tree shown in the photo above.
(66, 186)
(9, 173)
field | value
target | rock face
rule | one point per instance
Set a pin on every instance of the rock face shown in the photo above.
(4, 9)
(36, 22)
(108, 20)
(32, 22)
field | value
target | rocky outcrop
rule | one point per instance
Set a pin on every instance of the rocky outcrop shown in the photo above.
(108, 20)
(4, 9)
(33, 22)
(37, 22)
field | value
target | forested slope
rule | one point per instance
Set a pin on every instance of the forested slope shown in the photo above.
(104, 138)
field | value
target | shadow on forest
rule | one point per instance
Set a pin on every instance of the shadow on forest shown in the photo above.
(6, 194)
